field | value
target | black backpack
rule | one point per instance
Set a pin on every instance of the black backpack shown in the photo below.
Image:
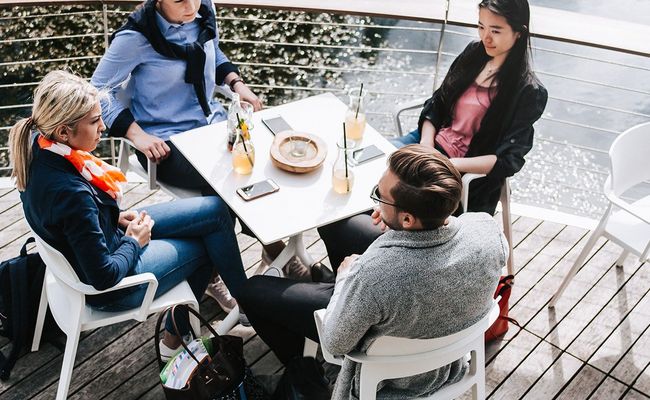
(21, 282)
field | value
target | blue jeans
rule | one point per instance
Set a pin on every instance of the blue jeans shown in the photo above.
(190, 239)
(410, 138)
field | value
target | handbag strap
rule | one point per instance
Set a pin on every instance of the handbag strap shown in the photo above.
(172, 311)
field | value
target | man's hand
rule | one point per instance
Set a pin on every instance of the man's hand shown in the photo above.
(152, 147)
(245, 94)
(347, 262)
(140, 228)
(376, 219)
(126, 217)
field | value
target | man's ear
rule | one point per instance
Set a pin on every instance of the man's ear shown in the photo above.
(408, 220)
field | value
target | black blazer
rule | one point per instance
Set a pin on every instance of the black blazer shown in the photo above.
(515, 136)
(79, 220)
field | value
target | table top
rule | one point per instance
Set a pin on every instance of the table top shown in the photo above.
(304, 201)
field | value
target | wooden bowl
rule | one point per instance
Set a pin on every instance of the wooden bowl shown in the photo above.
(282, 157)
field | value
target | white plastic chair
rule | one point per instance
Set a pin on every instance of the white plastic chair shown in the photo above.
(392, 357)
(66, 296)
(626, 224)
(504, 199)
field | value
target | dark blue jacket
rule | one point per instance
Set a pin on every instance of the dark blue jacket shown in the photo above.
(79, 220)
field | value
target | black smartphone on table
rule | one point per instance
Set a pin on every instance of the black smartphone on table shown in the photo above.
(276, 125)
(258, 189)
(365, 154)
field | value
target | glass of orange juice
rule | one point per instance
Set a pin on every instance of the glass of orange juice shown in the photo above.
(355, 117)
(243, 155)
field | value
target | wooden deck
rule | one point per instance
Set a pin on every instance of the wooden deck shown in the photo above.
(594, 345)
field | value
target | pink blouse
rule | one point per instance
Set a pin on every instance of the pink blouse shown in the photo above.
(467, 116)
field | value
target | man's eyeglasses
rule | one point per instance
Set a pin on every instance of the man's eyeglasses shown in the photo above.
(377, 197)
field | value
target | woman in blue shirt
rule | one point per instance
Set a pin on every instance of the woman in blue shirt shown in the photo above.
(71, 200)
(160, 71)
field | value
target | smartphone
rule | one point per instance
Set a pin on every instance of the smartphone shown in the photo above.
(258, 189)
(276, 125)
(365, 154)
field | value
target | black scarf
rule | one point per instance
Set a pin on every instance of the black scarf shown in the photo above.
(143, 20)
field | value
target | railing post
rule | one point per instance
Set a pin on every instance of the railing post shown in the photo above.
(111, 140)
(442, 35)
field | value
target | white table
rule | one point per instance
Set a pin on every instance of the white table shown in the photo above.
(304, 201)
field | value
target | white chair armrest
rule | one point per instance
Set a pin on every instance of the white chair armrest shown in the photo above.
(144, 278)
(467, 179)
(319, 315)
(400, 108)
(627, 207)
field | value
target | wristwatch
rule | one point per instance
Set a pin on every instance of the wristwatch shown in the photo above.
(234, 82)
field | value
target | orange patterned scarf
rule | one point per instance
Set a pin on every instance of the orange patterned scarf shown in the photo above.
(102, 175)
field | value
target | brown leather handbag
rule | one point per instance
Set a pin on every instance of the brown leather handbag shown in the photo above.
(219, 376)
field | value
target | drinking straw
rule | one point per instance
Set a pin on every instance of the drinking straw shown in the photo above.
(345, 156)
(356, 115)
(243, 141)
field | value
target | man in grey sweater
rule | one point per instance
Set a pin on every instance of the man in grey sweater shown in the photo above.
(428, 276)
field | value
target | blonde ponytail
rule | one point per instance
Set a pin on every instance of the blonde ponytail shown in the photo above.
(61, 98)
(20, 151)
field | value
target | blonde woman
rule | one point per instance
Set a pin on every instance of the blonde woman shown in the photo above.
(71, 200)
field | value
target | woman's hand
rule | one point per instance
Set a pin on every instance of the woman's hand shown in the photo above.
(126, 217)
(377, 220)
(140, 228)
(151, 146)
(245, 94)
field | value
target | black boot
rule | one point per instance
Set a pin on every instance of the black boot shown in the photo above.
(320, 273)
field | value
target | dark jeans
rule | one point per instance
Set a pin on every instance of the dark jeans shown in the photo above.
(348, 236)
(176, 170)
(282, 311)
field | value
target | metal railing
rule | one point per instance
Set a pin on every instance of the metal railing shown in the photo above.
(595, 94)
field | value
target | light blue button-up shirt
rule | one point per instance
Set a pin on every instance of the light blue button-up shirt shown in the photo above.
(153, 86)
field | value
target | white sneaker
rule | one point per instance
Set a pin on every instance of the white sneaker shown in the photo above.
(220, 293)
(167, 353)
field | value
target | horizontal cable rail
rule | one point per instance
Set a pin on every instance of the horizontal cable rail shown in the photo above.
(358, 47)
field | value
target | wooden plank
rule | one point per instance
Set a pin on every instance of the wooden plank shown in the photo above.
(501, 366)
(555, 377)
(643, 381)
(635, 361)
(568, 319)
(626, 333)
(582, 384)
(609, 389)
(609, 317)
(635, 395)
(526, 374)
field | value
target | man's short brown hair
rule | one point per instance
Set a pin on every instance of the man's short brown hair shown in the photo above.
(429, 185)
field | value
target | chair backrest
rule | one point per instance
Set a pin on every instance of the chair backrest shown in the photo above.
(396, 346)
(58, 265)
(628, 158)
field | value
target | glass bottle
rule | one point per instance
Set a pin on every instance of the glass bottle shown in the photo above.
(342, 174)
(243, 154)
(232, 125)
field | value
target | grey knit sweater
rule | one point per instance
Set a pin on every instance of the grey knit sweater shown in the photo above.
(414, 284)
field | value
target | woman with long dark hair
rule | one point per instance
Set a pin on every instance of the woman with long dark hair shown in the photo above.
(481, 117)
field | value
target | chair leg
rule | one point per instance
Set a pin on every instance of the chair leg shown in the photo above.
(68, 364)
(507, 225)
(368, 384)
(621, 258)
(478, 389)
(576, 266)
(40, 317)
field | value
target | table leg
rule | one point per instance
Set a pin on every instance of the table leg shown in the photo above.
(295, 247)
